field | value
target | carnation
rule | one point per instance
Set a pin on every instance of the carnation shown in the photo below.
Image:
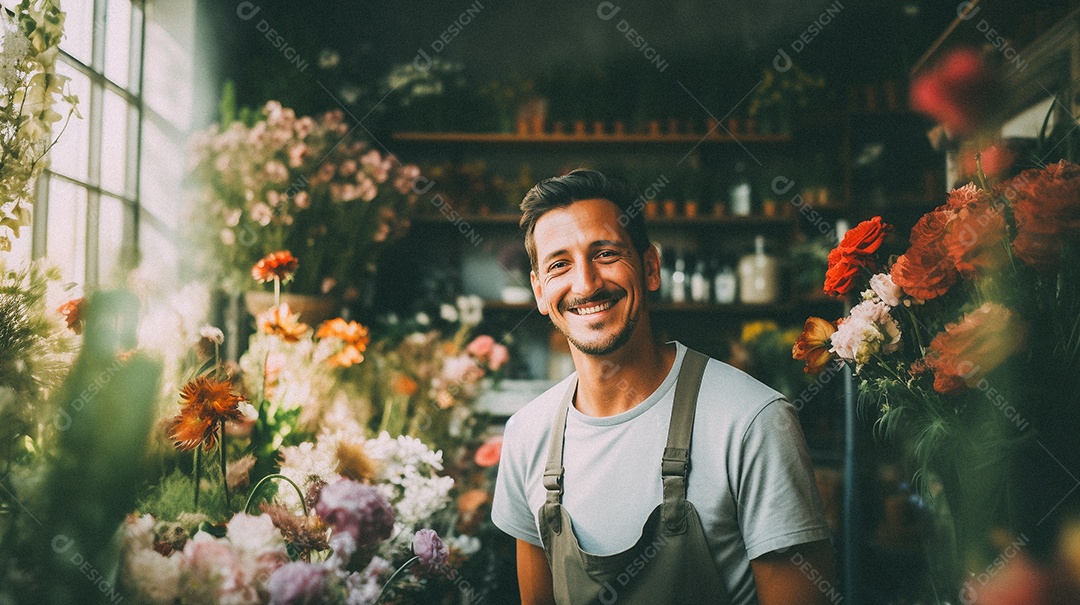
(869, 329)
(883, 286)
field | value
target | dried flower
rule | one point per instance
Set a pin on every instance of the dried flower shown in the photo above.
(431, 551)
(238, 472)
(280, 265)
(206, 402)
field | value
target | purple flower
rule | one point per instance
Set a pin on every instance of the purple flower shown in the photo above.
(432, 552)
(298, 583)
(358, 510)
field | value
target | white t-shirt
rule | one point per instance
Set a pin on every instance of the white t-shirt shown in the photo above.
(750, 479)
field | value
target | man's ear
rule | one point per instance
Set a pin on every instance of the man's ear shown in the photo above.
(538, 293)
(651, 265)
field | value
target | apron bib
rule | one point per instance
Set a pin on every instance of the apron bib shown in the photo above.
(671, 562)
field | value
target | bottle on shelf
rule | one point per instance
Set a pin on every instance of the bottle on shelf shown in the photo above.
(666, 269)
(725, 286)
(759, 276)
(679, 283)
(699, 283)
(740, 194)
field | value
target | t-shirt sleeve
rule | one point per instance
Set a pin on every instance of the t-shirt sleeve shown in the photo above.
(779, 505)
(510, 506)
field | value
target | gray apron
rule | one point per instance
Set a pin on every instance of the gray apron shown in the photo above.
(671, 562)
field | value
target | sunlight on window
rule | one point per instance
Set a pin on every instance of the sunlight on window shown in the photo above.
(78, 29)
(111, 238)
(71, 154)
(114, 137)
(65, 243)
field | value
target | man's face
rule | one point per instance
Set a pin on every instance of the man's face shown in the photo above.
(589, 279)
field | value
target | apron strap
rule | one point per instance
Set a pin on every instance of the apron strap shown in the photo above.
(675, 467)
(553, 472)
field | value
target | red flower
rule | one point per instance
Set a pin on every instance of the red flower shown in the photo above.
(967, 350)
(1047, 206)
(488, 454)
(996, 160)
(206, 402)
(853, 254)
(280, 265)
(958, 92)
(813, 344)
(925, 271)
(72, 311)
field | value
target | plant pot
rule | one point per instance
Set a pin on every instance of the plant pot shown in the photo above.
(313, 309)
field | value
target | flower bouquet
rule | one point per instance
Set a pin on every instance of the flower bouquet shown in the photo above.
(306, 185)
(967, 348)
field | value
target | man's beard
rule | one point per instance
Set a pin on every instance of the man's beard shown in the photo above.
(612, 344)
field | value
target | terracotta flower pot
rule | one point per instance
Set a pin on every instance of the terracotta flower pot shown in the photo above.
(312, 308)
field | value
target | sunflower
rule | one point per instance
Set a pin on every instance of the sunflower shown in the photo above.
(277, 265)
(354, 338)
(205, 403)
(280, 321)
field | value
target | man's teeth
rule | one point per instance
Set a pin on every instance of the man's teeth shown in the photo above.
(604, 306)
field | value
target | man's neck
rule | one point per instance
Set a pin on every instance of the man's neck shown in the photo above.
(614, 383)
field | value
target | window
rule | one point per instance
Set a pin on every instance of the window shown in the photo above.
(86, 215)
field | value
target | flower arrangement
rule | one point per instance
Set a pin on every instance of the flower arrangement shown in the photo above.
(302, 184)
(30, 88)
(965, 346)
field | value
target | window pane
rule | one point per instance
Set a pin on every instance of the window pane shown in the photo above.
(79, 29)
(118, 41)
(159, 256)
(114, 137)
(20, 249)
(112, 237)
(65, 241)
(71, 155)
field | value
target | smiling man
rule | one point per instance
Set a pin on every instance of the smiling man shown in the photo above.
(652, 474)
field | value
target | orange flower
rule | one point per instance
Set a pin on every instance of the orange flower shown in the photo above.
(72, 311)
(404, 385)
(280, 265)
(925, 271)
(205, 402)
(280, 321)
(813, 344)
(354, 338)
(975, 240)
(967, 350)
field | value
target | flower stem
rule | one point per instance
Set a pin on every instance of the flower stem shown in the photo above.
(255, 490)
(197, 477)
(277, 291)
(397, 572)
(224, 477)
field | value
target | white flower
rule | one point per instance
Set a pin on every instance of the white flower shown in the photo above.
(214, 335)
(153, 577)
(448, 312)
(471, 309)
(255, 537)
(466, 545)
(867, 330)
(882, 285)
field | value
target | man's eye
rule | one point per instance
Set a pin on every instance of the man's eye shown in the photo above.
(607, 254)
(555, 266)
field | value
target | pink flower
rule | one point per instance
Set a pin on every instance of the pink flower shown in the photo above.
(867, 330)
(882, 285)
(481, 346)
(499, 356)
(431, 551)
(298, 583)
(359, 510)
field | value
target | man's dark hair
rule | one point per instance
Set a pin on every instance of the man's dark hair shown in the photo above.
(561, 191)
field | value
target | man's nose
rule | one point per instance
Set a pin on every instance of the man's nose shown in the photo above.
(587, 279)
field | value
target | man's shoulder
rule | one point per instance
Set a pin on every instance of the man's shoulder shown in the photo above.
(741, 392)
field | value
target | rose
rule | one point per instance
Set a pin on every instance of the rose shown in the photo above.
(430, 551)
(853, 254)
(975, 240)
(958, 92)
(925, 271)
(970, 348)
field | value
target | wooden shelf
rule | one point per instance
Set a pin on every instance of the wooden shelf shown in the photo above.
(589, 139)
(512, 219)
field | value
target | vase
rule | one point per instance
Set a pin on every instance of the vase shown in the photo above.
(313, 309)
